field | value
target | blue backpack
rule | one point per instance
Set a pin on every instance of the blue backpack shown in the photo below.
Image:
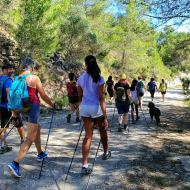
(18, 95)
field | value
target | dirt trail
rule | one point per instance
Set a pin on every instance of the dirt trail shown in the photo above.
(149, 157)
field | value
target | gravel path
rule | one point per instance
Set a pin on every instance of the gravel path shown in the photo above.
(148, 157)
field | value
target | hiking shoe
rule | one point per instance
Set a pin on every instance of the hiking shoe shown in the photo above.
(41, 156)
(5, 149)
(119, 129)
(106, 156)
(15, 169)
(86, 171)
(78, 120)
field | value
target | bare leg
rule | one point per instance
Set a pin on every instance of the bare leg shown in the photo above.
(31, 136)
(103, 135)
(21, 133)
(88, 124)
(125, 119)
(38, 141)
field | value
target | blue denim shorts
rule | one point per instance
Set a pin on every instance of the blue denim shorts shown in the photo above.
(123, 107)
(34, 113)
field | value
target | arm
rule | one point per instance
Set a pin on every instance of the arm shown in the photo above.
(80, 93)
(102, 100)
(129, 95)
(42, 93)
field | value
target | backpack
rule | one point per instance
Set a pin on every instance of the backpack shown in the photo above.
(72, 92)
(121, 94)
(18, 95)
(2, 82)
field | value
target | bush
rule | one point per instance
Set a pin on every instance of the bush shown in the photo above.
(62, 102)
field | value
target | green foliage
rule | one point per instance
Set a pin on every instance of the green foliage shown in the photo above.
(123, 43)
(62, 102)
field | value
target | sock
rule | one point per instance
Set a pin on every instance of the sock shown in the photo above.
(16, 163)
(85, 166)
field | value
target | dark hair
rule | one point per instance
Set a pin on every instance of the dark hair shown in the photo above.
(92, 68)
(7, 66)
(163, 80)
(152, 79)
(27, 62)
(134, 84)
(71, 76)
(110, 78)
(139, 78)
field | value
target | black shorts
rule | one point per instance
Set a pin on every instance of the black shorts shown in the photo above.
(141, 94)
(152, 93)
(164, 92)
(110, 92)
(5, 116)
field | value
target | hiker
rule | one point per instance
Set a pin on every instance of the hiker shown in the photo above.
(5, 83)
(140, 90)
(135, 102)
(123, 99)
(92, 109)
(110, 85)
(73, 97)
(34, 87)
(163, 88)
(152, 88)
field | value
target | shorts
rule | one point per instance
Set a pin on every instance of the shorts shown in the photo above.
(110, 92)
(5, 116)
(123, 107)
(34, 114)
(141, 94)
(152, 93)
(90, 111)
(164, 92)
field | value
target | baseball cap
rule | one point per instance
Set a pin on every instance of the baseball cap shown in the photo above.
(123, 76)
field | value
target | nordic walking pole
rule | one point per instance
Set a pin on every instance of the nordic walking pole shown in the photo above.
(93, 165)
(47, 140)
(5, 136)
(5, 127)
(74, 153)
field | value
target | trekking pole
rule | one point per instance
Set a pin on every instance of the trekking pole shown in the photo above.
(6, 135)
(47, 140)
(93, 165)
(74, 153)
(5, 127)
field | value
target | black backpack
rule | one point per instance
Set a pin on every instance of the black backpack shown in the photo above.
(121, 95)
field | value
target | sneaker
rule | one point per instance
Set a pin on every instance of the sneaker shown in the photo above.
(5, 149)
(106, 156)
(41, 156)
(15, 169)
(86, 171)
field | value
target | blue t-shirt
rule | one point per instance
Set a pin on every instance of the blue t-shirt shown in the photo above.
(90, 89)
(151, 86)
(7, 84)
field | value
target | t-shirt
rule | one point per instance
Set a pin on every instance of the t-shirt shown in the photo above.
(163, 87)
(123, 84)
(90, 89)
(151, 86)
(7, 84)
